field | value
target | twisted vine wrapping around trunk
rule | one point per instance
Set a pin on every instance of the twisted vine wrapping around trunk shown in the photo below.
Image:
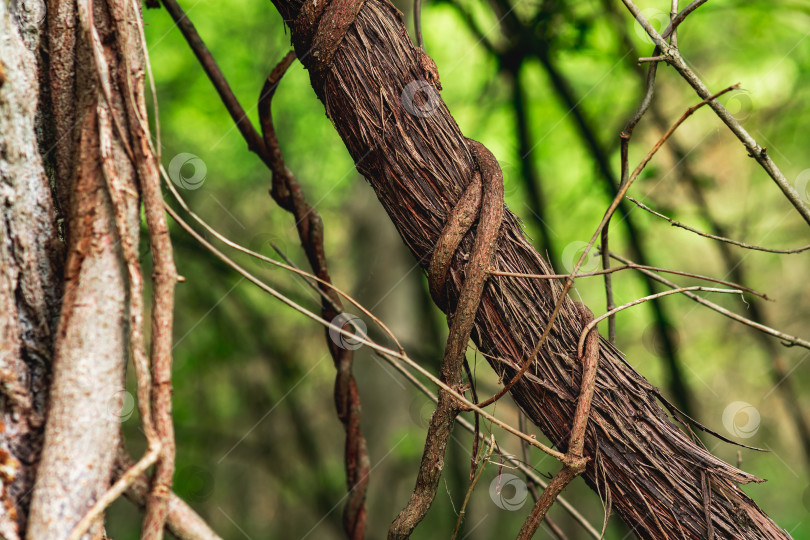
(377, 90)
(287, 193)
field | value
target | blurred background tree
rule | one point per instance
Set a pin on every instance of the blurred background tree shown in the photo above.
(547, 86)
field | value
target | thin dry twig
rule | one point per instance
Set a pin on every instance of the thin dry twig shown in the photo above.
(638, 301)
(733, 263)
(634, 266)
(483, 198)
(417, 22)
(289, 196)
(142, 160)
(759, 153)
(463, 509)
(116, 490)
(569, 282)
(469, 405)
(676, 223)
(575, 462)
(787, 340)
(531, 475)
(164, 278)
(532, 478)
(182, 521)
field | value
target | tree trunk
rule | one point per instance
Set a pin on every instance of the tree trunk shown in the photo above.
(382, 96)
(64, 298)
(30, 261)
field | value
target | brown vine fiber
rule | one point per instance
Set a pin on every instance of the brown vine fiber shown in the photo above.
(419, 165)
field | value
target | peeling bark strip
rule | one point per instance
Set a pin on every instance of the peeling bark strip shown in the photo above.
(416, 159)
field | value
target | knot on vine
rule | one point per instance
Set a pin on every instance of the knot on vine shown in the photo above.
(481, 200)
(317, 31)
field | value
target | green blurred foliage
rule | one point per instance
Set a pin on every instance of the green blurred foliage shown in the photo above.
(259, 446)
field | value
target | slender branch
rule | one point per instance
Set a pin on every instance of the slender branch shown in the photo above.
(678, 19)
(755, 151)
(575, 462)
(638, 301)
(633, 266)
(182, 521)
(417, 22)
(164, 278)
(524, 37)
(143, 160)
(360, 339)
(530, 474)
(195, 42)
(787, 339)
(483, 464)
(569, 282)
(675, 223)
(116, 490)
(733, 263)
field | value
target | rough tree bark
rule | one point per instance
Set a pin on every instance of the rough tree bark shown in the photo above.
(30, 266)
(382, 96)
(91, 344)
(74, 156)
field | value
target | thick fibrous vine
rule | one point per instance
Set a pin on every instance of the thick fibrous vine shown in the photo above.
(417, 161)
